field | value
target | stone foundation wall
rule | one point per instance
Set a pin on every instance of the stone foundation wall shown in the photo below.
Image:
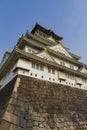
(5, 95)
(40, 105)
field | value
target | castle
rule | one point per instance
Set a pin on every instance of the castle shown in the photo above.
(43, 86)
(41, 54)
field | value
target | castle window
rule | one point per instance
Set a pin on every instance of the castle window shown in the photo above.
(62, 63)
(49, 69)
(41, 67)
(30, 50)
(71, 66)
(33, 65)
(35, 75)
(70, 76)
(60, 81)
(42, 76)
(49, 78)
(31, 74)
(42, 34)
(37, 66)
(53, 71)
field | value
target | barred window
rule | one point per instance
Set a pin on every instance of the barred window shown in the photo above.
(49, 69)
(62, 63)
(53, 71)
(71, 66)
(33, 65)
(70, 76)
(41, 67)
(37, 66)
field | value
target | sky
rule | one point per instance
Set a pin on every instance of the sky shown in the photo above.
(67, 18)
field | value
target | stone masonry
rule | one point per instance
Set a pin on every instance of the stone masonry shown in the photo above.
(33, 104)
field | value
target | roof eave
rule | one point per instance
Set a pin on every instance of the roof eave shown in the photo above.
(17, 53)
(75, 56)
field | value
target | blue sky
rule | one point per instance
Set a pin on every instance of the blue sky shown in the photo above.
(68, 18)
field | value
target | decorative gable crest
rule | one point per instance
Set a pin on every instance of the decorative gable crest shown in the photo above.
(45, 55)
(61, 49)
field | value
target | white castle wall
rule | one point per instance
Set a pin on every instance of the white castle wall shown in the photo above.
(25, 68)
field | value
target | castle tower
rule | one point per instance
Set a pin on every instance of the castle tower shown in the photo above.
(43, 86)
